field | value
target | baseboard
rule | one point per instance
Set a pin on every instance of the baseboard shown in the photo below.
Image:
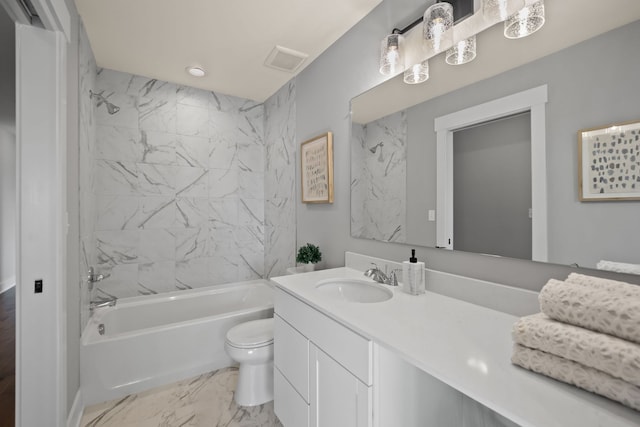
(75, 415)
(7, 284)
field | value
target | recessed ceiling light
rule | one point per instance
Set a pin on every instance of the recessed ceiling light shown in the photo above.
(196, 71)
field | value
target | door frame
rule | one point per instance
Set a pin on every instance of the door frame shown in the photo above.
(41, 214)
(533, 100)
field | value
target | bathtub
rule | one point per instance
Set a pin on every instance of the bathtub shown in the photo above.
(154, 340)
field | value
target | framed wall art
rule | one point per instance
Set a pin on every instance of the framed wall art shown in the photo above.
(609, 162)
(316, 161)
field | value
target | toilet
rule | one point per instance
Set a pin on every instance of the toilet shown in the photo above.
(251, 345)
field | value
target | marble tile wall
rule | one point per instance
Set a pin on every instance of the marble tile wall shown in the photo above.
(379, 180)
(179, 187)
(86, 165)
(280, 181)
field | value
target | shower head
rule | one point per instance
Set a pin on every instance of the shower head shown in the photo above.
(375, 147)
(111, 109)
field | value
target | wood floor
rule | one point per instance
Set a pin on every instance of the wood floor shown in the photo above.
(7, 357)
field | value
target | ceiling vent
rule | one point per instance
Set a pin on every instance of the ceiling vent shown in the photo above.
(285, 59)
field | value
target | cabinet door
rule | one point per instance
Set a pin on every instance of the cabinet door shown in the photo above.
(291, 355)
(337, 397)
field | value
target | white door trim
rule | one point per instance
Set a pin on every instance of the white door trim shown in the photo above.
(40, 226)
(533, 100)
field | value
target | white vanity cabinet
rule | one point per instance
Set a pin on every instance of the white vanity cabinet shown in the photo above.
(323, 370)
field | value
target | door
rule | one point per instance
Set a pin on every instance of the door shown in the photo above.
(492, 188)
(337, 398)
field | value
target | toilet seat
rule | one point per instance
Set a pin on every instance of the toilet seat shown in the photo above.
(252, 334)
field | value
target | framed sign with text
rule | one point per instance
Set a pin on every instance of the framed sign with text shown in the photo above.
(316, 160)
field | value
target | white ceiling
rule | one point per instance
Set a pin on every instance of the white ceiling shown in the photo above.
(567, 22)
(230, 39)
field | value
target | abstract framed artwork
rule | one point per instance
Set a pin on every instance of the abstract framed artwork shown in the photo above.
(316, 167)
(609, 162)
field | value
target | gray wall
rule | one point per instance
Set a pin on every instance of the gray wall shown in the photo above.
(492, 188)
(7, 151)
(349, 67)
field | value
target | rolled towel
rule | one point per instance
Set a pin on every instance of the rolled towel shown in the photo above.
(614, 356)
(623, 288)
(618, 267)
(570, 372)
(609, 310)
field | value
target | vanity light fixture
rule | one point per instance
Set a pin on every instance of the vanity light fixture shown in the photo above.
(526, 22)
(438, 21)
(441, 31)
(462, 52)
(196, 71)
(417, 73)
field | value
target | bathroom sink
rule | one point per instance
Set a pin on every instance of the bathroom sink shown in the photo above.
(354, 290)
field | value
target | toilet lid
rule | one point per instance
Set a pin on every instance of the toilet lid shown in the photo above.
(254, 333)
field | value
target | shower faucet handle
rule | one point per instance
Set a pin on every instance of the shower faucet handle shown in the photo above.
(93, 277)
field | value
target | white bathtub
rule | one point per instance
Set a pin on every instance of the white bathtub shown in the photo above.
(153, 340)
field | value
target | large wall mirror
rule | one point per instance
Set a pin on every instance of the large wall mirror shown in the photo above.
(590, 77)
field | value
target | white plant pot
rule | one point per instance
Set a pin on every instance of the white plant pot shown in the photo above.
(307, 267)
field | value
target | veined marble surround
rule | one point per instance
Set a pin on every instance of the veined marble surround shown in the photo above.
(179, 187)
(86, 165)
(182, 188)
(280, 181)
(378, 186)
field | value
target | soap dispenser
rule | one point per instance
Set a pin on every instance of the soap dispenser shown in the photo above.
(413, 275)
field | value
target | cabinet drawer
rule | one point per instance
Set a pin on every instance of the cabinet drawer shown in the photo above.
(351, 350)
(290, 408)
(291, 355)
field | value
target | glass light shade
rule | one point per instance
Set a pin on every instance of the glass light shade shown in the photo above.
(526, 22)
(438, 20)
(417, 73)
(462, 52)
(391, 57)
(498, 10)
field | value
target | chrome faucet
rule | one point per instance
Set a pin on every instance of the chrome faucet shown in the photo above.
(376, 274)
(101, 303)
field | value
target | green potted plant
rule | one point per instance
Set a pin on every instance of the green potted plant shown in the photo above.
(308, 256)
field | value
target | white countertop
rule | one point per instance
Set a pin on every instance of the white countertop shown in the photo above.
(465, 346)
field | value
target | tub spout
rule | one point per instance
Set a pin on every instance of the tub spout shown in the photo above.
(102, 303)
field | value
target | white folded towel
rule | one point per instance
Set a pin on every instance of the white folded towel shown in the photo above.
(618, 267)
(570, 372)
(620, 288)
(600, 305)
(614, 356)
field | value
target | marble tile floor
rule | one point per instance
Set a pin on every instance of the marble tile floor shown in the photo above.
(206, 400)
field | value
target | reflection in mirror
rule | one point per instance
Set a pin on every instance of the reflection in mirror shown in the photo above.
(379, 179)
(492, 187)
(593, 83)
